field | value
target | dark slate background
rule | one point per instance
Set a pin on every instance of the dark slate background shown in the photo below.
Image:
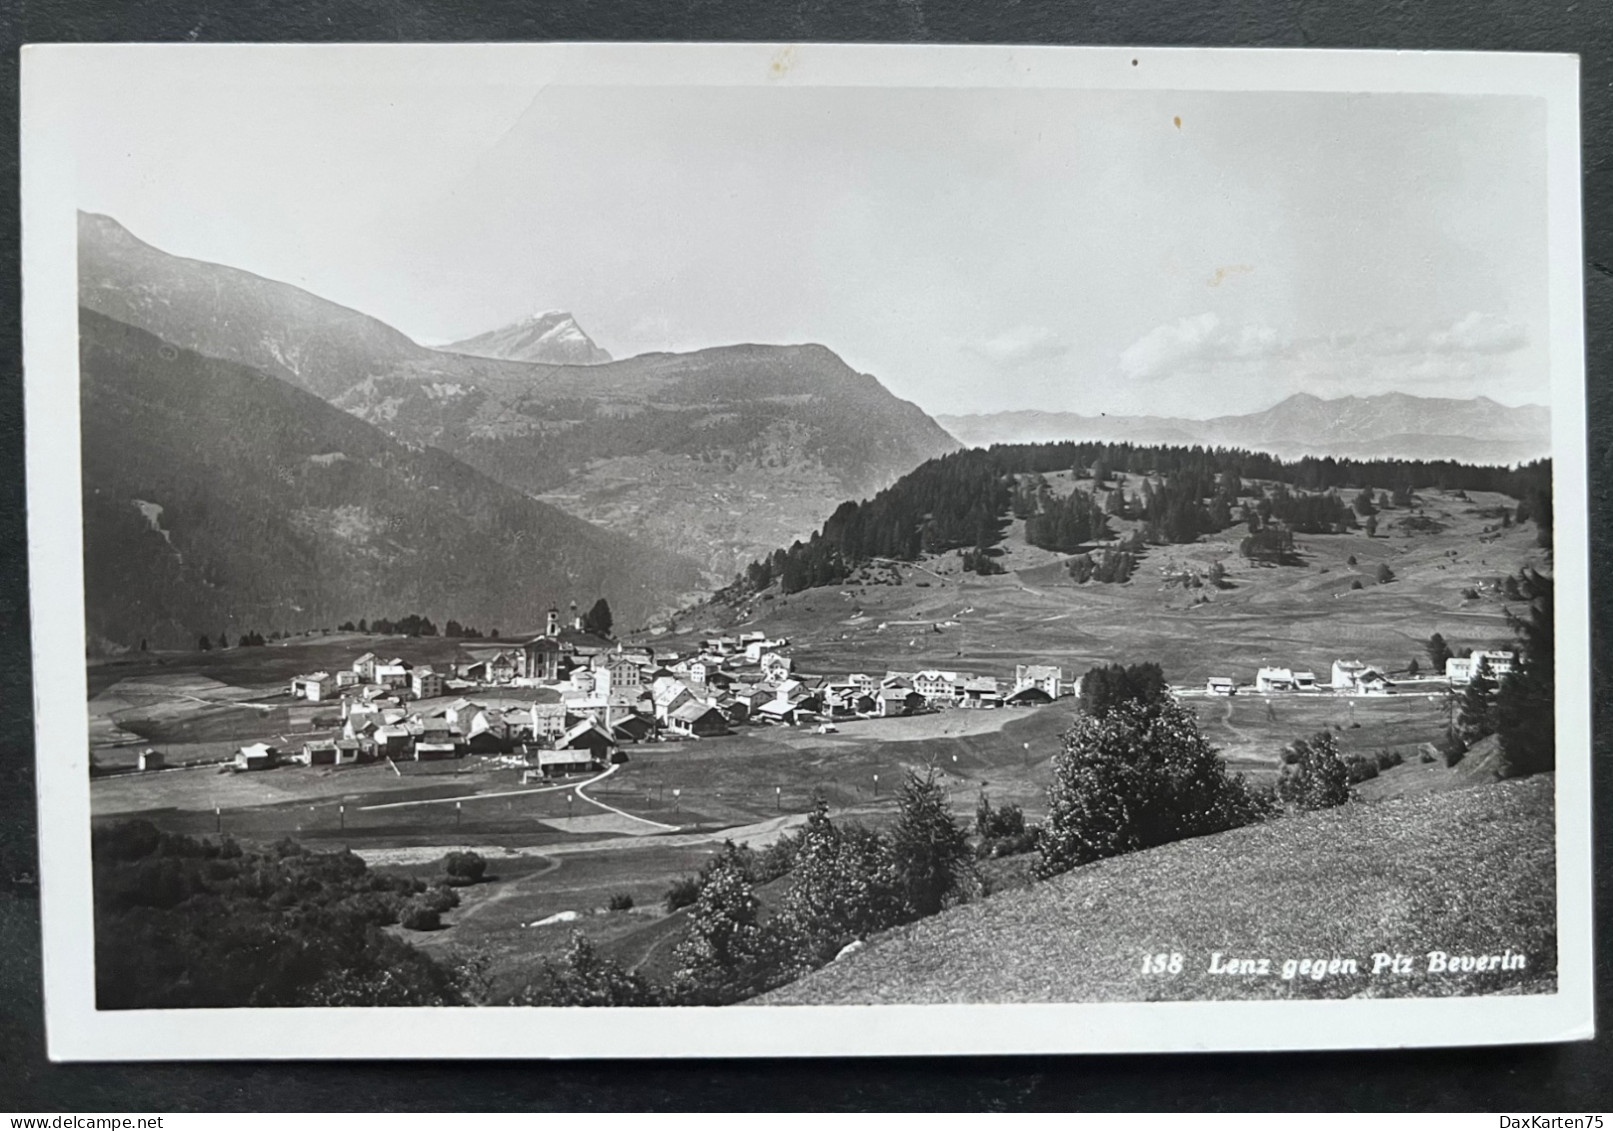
(1540, 1079)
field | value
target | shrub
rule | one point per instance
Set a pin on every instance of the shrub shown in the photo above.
(1356, 584)
(1315, 777)
(1388, 758)
(417, 915)
(1139, 776)
(1385, 574)
(1358, 768)
(621, 901)
(681, 894)
(465, 868)
(584, 978)
(440, 899)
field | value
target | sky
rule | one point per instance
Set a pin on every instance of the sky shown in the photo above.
(1156, 252)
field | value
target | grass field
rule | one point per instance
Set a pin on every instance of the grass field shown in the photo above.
(1465, 872)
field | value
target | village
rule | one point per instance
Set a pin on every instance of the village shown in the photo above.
(568, 700)
(1352, 677)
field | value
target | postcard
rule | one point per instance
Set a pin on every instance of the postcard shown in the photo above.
(669, 550)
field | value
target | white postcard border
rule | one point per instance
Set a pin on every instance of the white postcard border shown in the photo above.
(77, 1031)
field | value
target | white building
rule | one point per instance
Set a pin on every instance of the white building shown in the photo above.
(1045, 676)
(1220, 685)
(1274, 679)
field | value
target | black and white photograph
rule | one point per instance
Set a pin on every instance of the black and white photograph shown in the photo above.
(594, 549)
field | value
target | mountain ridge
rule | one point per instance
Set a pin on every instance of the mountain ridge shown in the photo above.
(217, 496)
(1470, 430)
(719, 454)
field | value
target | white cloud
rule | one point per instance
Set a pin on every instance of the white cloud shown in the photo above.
(1194, 343)
(1018, 347)
(1203, 346)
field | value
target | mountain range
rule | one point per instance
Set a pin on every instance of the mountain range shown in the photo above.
(1390, 425)
(221, 498)
(716, 456)
(550, 338)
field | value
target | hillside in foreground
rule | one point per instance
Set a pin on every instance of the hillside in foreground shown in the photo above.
(1465, 872)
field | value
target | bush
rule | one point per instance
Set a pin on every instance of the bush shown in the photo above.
(418, 915)
(583, 978)
(1313, 775)
(1139, 776)
(1356, 584)
(681, 894)
(1388, 758)
(621, 901)
(1385, 574)
(439, 899)
(465, 868)
(1358, 768)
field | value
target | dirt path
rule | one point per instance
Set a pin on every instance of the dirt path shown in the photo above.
(506, 890)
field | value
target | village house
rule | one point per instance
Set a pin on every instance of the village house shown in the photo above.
(1493, 665)
(1345, 673)
(394, 673)
(392, 740)
(364, 667)
(774, 666)
(349, 751)
(314, 688)
(347, 678)
(258, 756)
(1304, 681)
(589, 736)
(1046, 676)
(892, 702)
(436, 742)
(697, 720)
(1273, 679)
(151, 760)
(318, 753)
(426, 682)
(547, 720)
(980, 691)
(1220, 685)
(939, 687)
(634, 728)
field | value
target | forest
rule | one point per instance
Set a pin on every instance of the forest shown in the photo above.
(964, 500)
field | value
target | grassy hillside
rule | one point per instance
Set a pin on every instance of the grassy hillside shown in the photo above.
(220, 499)
(1465, 872)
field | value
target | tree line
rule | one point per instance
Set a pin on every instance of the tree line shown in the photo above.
(961, 501)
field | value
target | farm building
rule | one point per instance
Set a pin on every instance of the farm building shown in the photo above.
(258, 756)
(1304, 681)
(588, 738)
(1029, 696)
(697, 719)
(1220, 685)
(894, 701)
(980, 691)
(151, 760)
(318, 753)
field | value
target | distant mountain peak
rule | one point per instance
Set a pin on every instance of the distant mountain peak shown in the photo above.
(549, 337)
